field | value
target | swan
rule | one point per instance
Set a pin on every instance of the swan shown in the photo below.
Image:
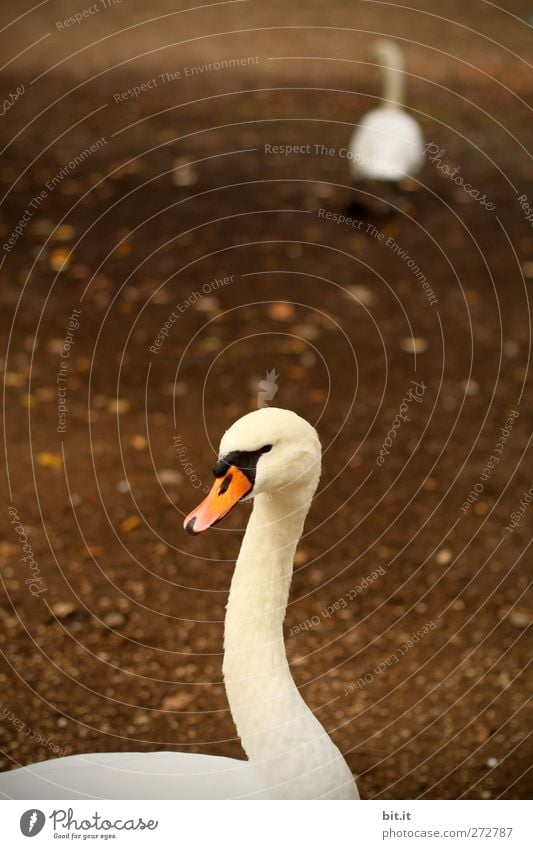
(272, 456)
(387, 144)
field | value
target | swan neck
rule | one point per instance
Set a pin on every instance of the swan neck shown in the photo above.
(280, 735)
(393, 79)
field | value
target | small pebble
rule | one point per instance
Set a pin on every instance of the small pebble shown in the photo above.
(169, 476)
(176, 702)
(414, 345)
(62, 609)
(444, 556)
(207, 304)
(114, 620)
(184, 173)
(361, 294)
(470, 387)
(519, 618)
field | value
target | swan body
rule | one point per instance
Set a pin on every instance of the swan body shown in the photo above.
(134, 775)
(387, 144)
(273, 457)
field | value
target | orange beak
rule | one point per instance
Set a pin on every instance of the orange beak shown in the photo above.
(224, 495)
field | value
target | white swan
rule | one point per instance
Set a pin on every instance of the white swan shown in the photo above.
(272, 456)
(388, 143)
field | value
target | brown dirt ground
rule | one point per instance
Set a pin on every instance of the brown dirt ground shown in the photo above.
(123, 649)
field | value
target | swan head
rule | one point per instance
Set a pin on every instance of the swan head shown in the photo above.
(267, 451)
(388, 53)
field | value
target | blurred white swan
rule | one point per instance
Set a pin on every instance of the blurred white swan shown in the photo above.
(388, 143)
(274, 457)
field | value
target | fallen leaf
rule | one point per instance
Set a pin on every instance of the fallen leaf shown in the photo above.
(123, 249)
(59, 259)
(118, 405)
(48, 460)
(92, 551)
(129, 524)
(281, 311)
(13, 378)
(28, 401)
(82, 364)
(63, 233)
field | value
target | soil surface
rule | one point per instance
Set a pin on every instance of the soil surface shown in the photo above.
(407, 627)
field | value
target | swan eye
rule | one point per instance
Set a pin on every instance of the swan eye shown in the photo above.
(265, 449)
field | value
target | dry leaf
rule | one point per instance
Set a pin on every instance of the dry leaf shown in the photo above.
(59, 259)
(48, 460)
(281, 311)
(129, 524)
(82, 363)
(118, 405)
(28, 401)
(63, 233)
(13, 378)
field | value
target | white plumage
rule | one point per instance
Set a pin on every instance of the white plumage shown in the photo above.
(290, 755)
(388, 143)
